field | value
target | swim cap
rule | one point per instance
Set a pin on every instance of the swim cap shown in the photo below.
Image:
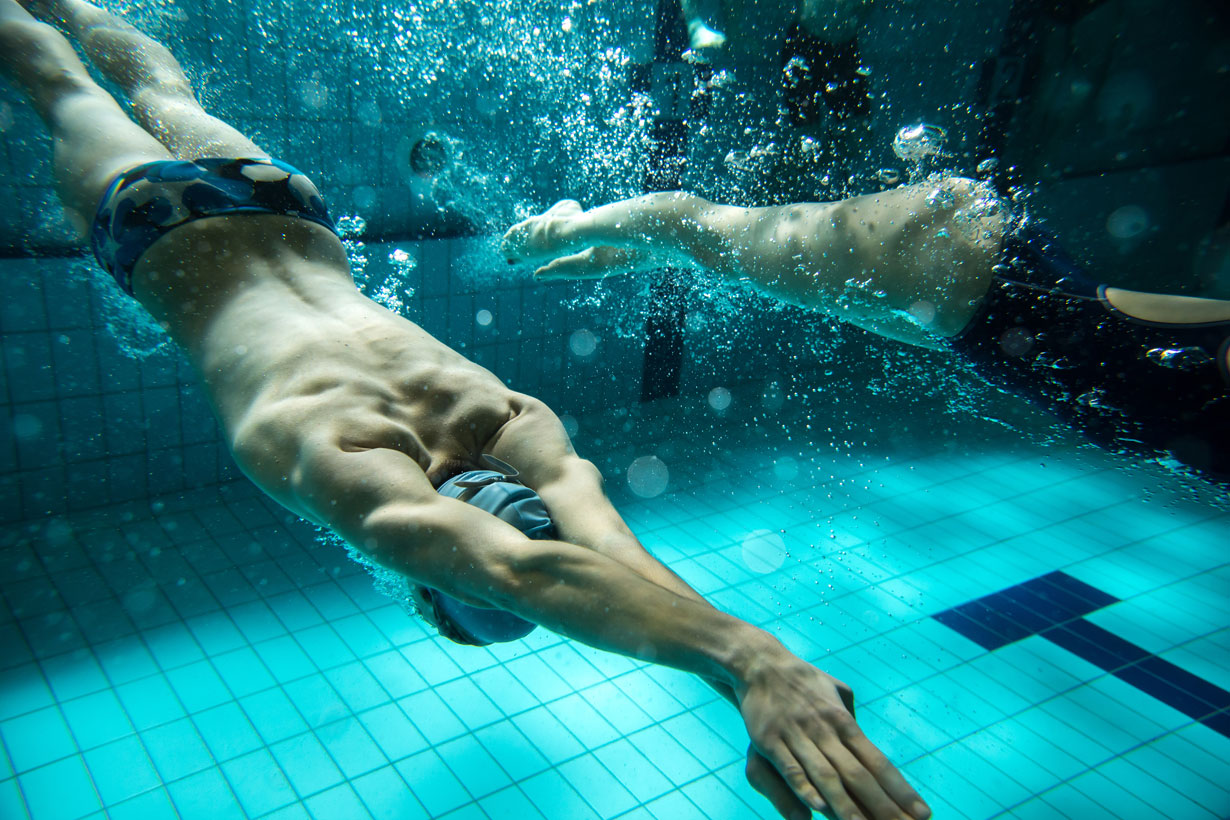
(502, 495)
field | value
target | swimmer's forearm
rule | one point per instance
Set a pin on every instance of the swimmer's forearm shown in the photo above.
(673, 224)
(600, 602)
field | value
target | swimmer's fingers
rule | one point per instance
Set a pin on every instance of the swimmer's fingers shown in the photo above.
(848, 773)
(765, 779)
(886, 775)
(591, 263)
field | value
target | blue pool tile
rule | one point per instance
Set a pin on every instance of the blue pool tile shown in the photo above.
(713, 750)
(176, 749)
(1112, 799)
(294, 611)
(393, 732)
(672, 759)
(336, 803)
(173, 646)
(226, 731)
(259, 783)
(432, 716)
(474, 767)
(59, 791)
(598, 786)
(152, 804)
(675, 806)
(357, 686)
(583, 721)
(538, 677)
(633, 770)
(306, 763)
(284, 658)
(715, 800)
(216, 633)
(508, 694)
(242, 672)
(316, 700)
(609, 700)
(351, 746)
(37, 738)
(386, 795)
(205, 796)
(24, 689)
(511, 749)
(198, 686)
(431, 661)
(554, 797)
(273, 715)
(510, 804)
(121, 770)
(432, 783)
(74, 674)
(395, 674)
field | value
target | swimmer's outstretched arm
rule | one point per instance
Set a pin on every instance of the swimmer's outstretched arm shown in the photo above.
(905, 263)
(572, 489)
(379, 501)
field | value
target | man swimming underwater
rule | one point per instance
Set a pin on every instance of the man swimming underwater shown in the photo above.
(350, 415)
(941, 264)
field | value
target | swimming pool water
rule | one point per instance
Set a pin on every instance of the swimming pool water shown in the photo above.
(208, 658)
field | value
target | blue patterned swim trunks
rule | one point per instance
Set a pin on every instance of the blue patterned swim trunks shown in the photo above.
(148, 201)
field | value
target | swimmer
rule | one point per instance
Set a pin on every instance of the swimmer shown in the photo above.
(942, 264)
(353, 417)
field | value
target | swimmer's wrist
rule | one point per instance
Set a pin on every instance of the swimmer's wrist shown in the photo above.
(750, 653)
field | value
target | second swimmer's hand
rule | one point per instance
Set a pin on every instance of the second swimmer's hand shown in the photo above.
(591, 263)
(798, 719)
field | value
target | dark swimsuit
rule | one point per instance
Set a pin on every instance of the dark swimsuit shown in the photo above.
(146, 202)
(1045, 331)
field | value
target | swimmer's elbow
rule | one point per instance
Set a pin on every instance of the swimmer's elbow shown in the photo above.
(428, 543)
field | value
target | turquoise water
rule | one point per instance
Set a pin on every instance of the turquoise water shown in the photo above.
(176, 645)
(1033, 628)
(208, 658)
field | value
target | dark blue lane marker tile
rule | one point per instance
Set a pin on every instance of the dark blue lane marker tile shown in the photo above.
(1053, 606)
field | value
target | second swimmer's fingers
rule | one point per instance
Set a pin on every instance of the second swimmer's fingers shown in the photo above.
(591, 263)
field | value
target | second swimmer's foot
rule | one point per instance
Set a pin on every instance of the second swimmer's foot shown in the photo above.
(538, 237)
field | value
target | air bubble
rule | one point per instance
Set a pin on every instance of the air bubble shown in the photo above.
(916, 142)
(648, 476)
(888, 176)
(1127, 222)
(483, 317)
(719, 398)
(583, 343)
(764, 551)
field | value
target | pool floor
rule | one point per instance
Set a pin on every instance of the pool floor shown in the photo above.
(1031, 632)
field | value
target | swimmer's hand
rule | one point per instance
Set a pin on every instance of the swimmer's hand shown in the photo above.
(541, 237)
(801, 721)
(592, 263)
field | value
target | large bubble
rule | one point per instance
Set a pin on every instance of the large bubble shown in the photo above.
(764, 551)
(648, 476)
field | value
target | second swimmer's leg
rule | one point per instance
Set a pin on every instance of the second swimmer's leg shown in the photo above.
(94, 139)
(163, 99)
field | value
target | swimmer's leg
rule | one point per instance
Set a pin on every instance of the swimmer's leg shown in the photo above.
(94, 139)
(162, 98)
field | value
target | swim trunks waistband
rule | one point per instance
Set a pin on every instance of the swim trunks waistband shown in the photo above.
(149, 201)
